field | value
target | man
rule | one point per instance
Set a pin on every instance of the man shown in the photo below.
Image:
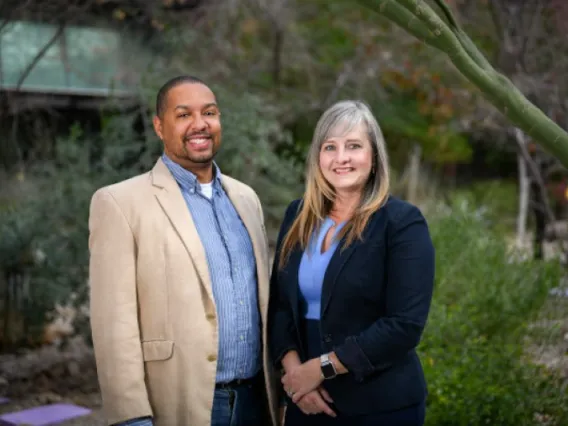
(179, 282)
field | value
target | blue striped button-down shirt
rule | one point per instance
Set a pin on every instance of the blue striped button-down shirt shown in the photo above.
(232, 267)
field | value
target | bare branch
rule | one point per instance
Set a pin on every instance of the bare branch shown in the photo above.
(340, 81)
(530, 33)
(495, 9)
(535, 172)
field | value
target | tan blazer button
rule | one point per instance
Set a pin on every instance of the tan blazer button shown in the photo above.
(210, 317)
(211, 358)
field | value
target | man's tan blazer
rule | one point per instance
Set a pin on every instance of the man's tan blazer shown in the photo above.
(153, 314)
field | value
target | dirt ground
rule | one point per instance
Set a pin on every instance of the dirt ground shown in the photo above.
(52, 375)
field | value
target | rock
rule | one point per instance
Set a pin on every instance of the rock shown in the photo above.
(48, 398)
(74, 369)
(556, 231)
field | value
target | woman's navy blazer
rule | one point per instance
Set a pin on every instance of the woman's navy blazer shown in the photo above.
(375, 301)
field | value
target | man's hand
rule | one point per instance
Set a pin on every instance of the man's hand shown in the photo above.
(315, 402)
(300, 380)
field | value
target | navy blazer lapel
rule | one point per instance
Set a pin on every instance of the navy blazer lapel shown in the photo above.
(336, 264)
(340, 258)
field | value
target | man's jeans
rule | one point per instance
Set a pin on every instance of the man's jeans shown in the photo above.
(243, 405)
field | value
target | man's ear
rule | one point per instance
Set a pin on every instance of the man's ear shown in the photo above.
(158, 126)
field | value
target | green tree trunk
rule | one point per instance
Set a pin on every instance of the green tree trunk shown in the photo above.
(419, 19)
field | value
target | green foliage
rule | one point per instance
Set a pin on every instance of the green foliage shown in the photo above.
(17, 230)
(402, 120)
(420, 109)
(331, 40)
(248, 152)
(499, 200)
(48, 228)
(472, 349)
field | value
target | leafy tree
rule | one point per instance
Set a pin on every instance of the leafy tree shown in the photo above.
(444, 33)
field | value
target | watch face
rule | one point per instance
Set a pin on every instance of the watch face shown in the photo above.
(328, 370)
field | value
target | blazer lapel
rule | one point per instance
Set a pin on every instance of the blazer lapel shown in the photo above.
(338, 261)
(336, 264)
(171, 199)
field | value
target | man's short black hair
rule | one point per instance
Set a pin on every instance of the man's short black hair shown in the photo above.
(170, 84)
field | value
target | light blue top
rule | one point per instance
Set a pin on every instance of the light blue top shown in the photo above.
(313, 266)
(232, 267)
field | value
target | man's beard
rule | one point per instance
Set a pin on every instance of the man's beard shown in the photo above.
(201, 159)
(204, 158)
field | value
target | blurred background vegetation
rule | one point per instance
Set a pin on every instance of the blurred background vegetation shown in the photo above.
(77, 85)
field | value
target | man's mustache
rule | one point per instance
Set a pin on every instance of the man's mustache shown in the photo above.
(199, 135)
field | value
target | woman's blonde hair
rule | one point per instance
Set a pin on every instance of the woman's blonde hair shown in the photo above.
(319, 195)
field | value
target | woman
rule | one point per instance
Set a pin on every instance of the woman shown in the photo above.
(351, 285)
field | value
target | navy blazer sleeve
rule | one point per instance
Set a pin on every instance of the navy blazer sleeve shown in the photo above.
(410, 281)
(281, 335)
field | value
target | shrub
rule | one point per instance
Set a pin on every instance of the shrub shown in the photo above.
(251, 136)
(472, 349)
(47, 230)
(499, 199)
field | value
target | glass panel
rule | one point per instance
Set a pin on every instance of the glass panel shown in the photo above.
(84, 60)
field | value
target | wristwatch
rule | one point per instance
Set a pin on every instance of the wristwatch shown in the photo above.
(328, 370)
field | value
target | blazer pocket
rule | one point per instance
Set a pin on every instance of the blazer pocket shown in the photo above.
(157, 350)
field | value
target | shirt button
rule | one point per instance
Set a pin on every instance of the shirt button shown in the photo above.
(241, 302)
(242, 337)
(211, 358)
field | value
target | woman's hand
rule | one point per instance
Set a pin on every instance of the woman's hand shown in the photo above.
(300, 380)
(315, 402)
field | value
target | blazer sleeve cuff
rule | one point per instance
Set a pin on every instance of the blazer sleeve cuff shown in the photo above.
(352, 356)
(278, 359)
(139, 421)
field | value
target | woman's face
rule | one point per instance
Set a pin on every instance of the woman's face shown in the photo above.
(346, 159)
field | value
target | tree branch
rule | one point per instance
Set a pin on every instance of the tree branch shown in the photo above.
(451, 35)
(403, 18)
(473, 65)
(447, 13)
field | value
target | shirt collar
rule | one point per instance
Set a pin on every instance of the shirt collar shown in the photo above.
(186, 179)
